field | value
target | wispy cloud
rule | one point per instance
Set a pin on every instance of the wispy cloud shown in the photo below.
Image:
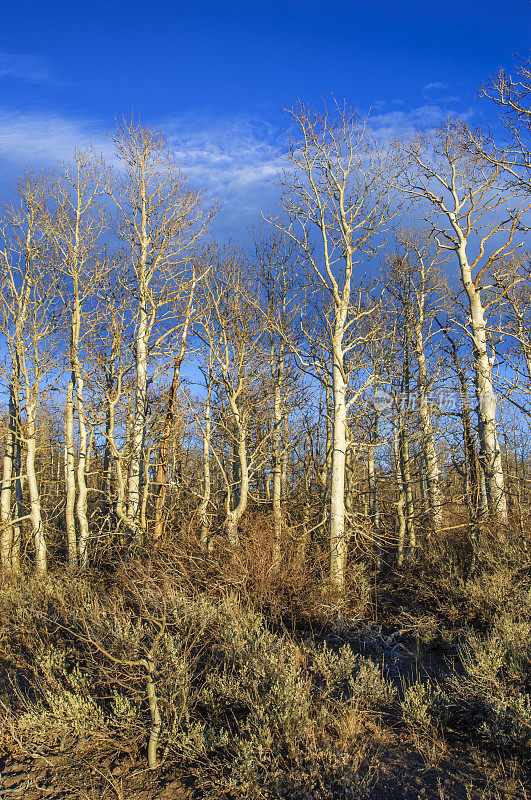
(44, 139)
(23, 67)
(229, 155)
(400, 124)
(236, 158)
(436, 86)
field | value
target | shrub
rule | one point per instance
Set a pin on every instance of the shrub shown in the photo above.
(423, 705)
(496, 684)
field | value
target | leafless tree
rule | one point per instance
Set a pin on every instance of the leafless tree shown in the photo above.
(472, 215)
(161, 220)
(335, 203)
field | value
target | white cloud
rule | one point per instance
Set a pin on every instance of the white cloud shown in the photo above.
(436, 86)
(237, 159)
(44, 139)
(402, 124)
(22, 67)
(451, 98)
(227, 154)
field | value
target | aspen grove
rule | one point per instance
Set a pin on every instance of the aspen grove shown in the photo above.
(357, 372)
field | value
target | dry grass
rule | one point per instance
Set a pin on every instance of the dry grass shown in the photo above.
(265, 685)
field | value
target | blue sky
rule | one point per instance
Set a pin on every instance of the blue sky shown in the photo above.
(215, 75)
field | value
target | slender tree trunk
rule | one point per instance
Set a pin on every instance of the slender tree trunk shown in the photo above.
(6, 520)
(324, 474)
(405, 462)
(37, 523)
(422, 482)
(337, 488)
(81, 507)
(374, 512)
(139, 424)
(277, 373)
(203, 508)
(427, 437)
(9, 554)
(401, 502)
(17, 477)
(70, 481)
(161, 477)
(476, 496)
(405, 467)
(489, 454)
(145, 491)
(121, 490)
(107, 453)
(241, 494)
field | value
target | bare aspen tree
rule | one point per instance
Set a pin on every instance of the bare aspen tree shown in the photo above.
(276, 260)
(233, 332)
(207, 446)
(473, 216)
(30, 326)
(334, 203)
(161, 219)
(401, 502)
(185, 312)
(511, 93)
(416, 284)
(10, 528)
(474, 489)
(75, 226)
(109, 351)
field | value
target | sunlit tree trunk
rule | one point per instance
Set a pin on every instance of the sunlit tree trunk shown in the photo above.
(490, 455)
(426, 428)
(277, 374)
(339, 449)
(81, 507)
(36, 519)
(235, 513)
(203, 508)
(8, 552)
(401, 502)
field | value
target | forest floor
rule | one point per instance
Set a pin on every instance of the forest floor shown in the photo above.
(417, 685)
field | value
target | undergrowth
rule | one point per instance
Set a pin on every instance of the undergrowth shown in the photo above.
(258, 699)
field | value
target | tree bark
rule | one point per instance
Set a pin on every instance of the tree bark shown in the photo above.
(81, 507)
(337, 484)
(277, 374)
(37, 523)
(203, 508)
(6, 520)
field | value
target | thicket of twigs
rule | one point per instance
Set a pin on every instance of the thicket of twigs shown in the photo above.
(215, 675)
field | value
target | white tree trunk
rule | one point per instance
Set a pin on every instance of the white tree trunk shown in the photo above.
(203, 508)
(490, 455)
(139, 422)
(81, 508)
(277, 372)
(374, 513)
(338, 542)
(37, 523)
(401, 503)
(70, 483)
(6, 522)
(426, 430)
(234, 515)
